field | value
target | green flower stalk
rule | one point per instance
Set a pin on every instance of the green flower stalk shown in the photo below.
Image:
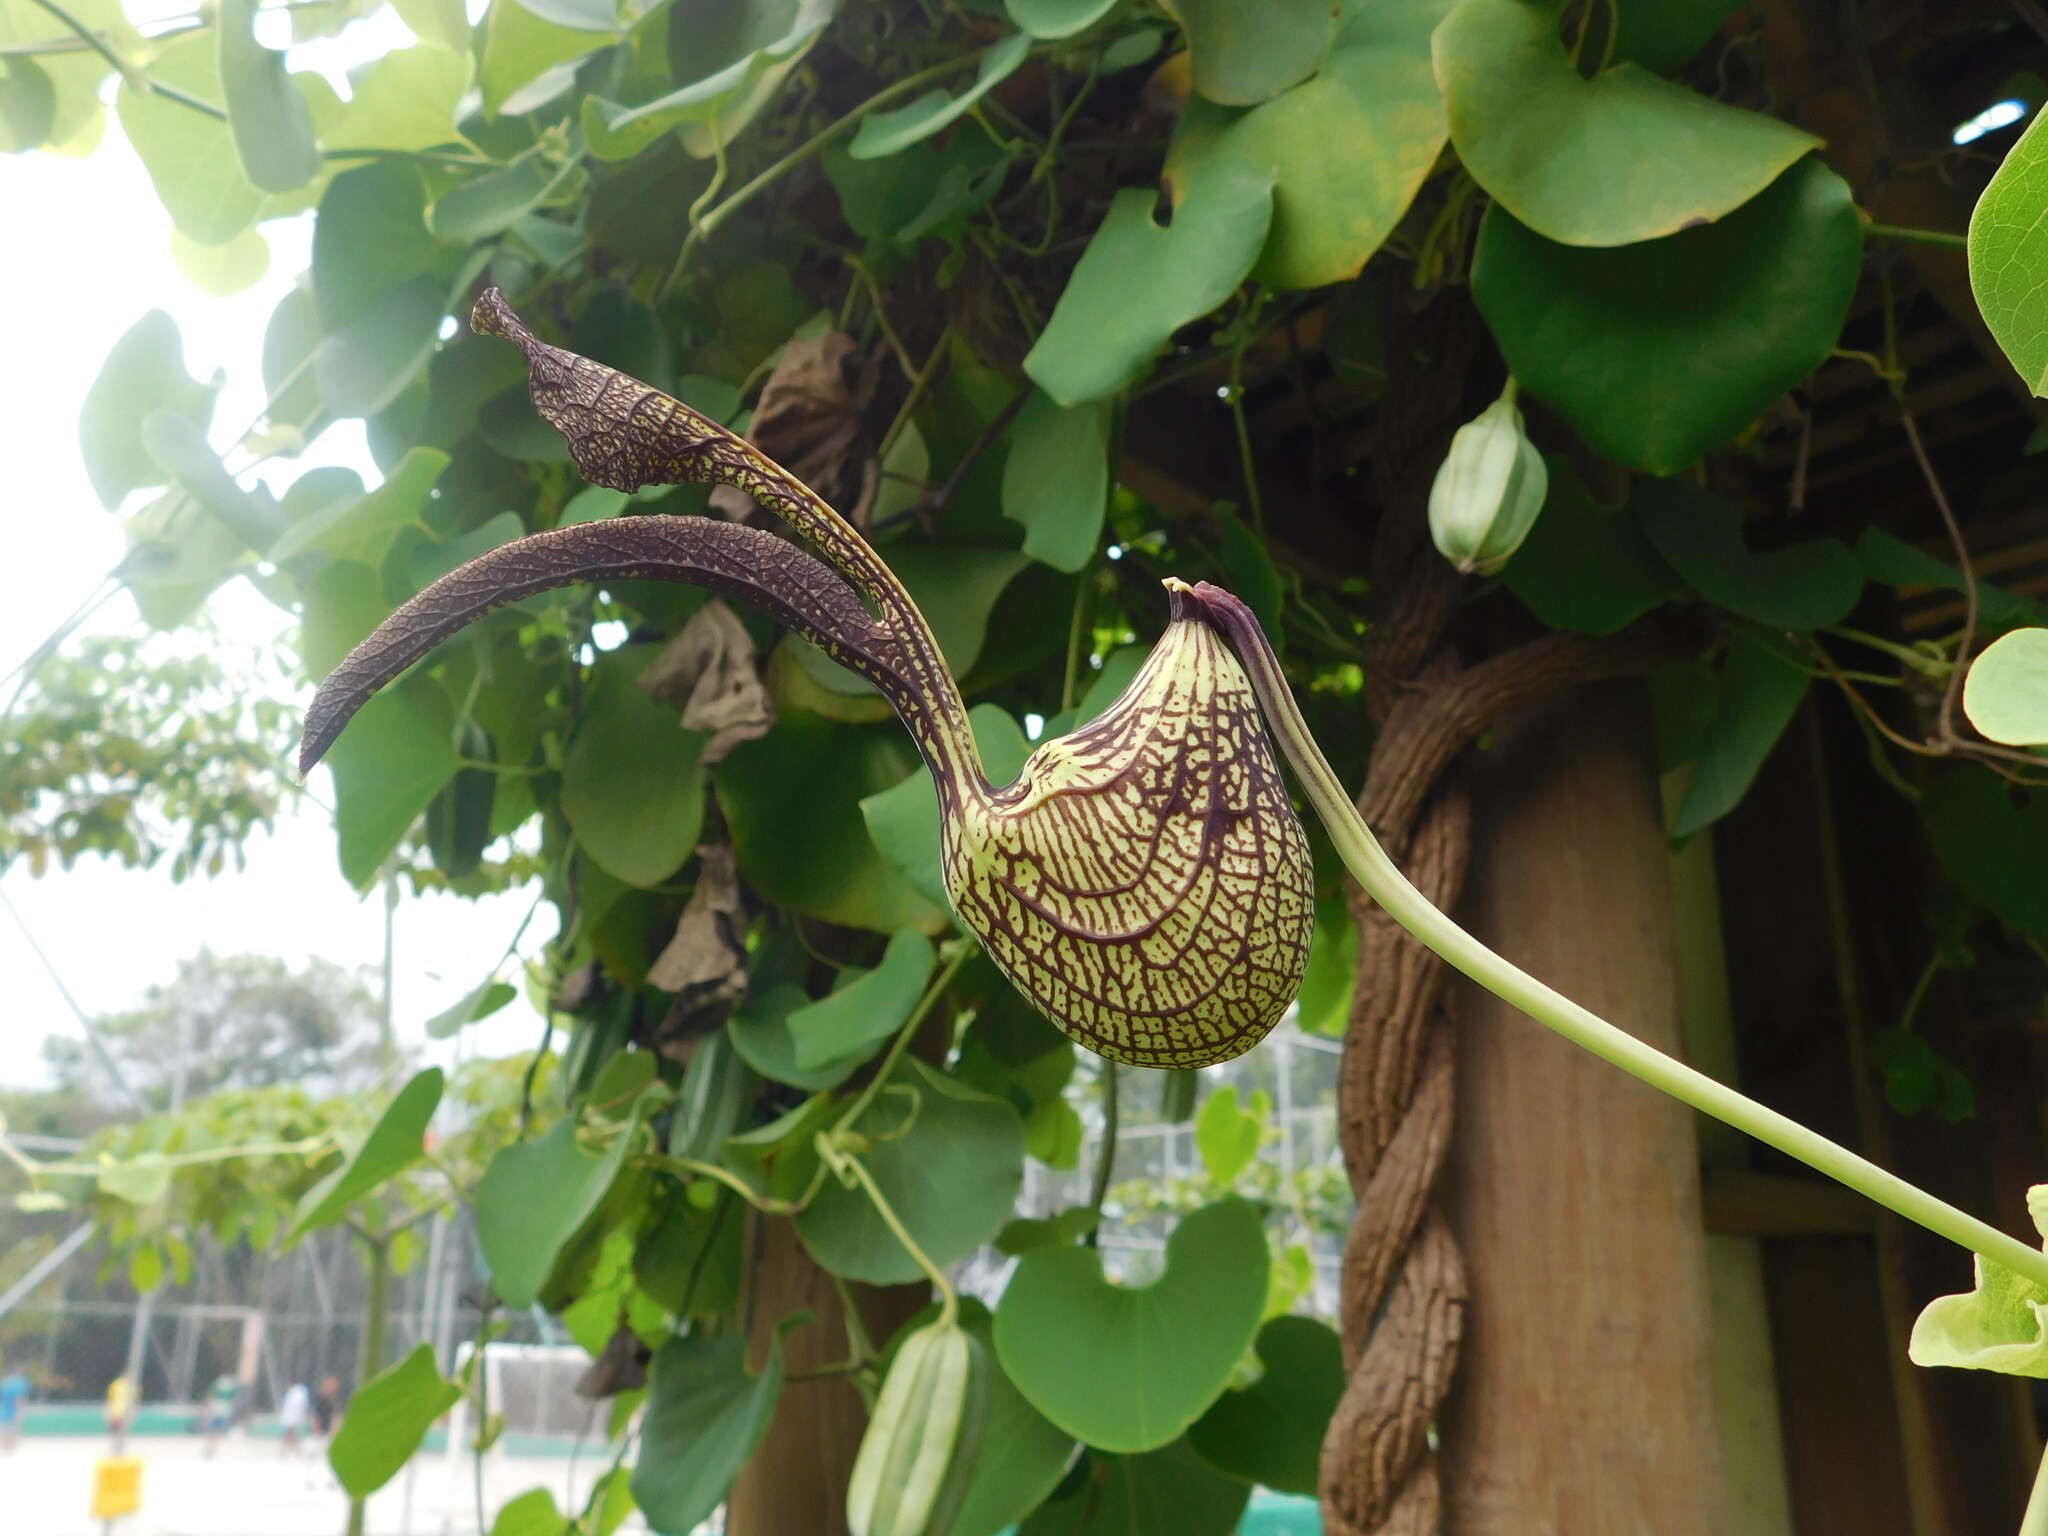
(1145, 882)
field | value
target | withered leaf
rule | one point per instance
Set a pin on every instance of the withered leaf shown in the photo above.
(809, 420)
(711, 673)
(705, 962)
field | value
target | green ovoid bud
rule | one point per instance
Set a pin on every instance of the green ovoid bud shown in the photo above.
(1489, 489)
(917, 1458)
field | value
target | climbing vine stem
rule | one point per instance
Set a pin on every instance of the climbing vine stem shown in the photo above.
(1385, 884)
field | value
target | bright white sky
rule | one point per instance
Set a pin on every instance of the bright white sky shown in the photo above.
(87, 251)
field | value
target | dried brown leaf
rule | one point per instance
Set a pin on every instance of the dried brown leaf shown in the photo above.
(711, 673)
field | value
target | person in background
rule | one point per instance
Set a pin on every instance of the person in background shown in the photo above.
(327, 1405)
(220, 1411)
(292, 1415)
(120, 1409)
(14, 1391)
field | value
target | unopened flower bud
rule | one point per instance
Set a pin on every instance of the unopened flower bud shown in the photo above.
(1489, 489)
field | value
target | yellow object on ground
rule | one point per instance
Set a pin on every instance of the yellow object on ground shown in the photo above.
(116, 1487)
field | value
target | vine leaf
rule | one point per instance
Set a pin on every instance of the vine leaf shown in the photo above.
(759, 1031)
(272, 129)
(617, 132)
(1992, 845)
(1661, 351)
(1169, 1489)
(633, 778)
(951, 1176)
(1802, 586)
(1240, 55)
(884, 133)
(903, 820)
(480, 1002)
(824, 864)
(860, 1014)
(2005, 693)
(1228, 1137)
(2008, 247)
(388, 1418)
(533, 1198)
(1754, 699)
(1137, 283)
(1585, 566)
(394, 1144)
(1271, 1432)
(1056, 479)
(190, 157)
(1331, 212)
(2000, 1325)
(1129, 1368)
(1622, 157)
(144, 373)
(386, 772)
(705, 1416)
(1054, 19)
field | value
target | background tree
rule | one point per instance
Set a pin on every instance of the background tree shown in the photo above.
(234, 1021)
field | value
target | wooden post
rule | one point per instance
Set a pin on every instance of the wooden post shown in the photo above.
(796, 1481)
(1584, 1404)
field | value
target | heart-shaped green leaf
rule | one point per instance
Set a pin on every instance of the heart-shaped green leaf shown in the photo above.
(1803, 586)
(532, 1199)
(633, 779)
(951, 1179)
(705, 1415)
(1056, 479)
(1993, 843)
(822, 863)
(903, 819)
(1622, 157)
(387, 1419)
(1057, 18)
(884, 133)
(190, 155)
(145, 372)
(1129, 1368)
(1243, 54)
(1332, 211)
(1661, 351)
(2000, 1325)
(1754, 699)
(1137, 283)
(2008, 248)
(2005, 693)
(1167, 1490)
(1226, 1136)
(485, 999)
(1324, 1006)
(388, 765)
(272, 129)
(1896, 563)
(394, 1144)
(1585, 566)
(855, 1018)
(759, 1031)
(1271, 1432)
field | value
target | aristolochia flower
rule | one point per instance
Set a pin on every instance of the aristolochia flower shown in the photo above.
(1145, 881)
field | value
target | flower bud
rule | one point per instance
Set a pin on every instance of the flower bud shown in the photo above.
(1489, 489)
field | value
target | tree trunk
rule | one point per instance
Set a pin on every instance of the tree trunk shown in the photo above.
(1584, 1404)
(796, 1481)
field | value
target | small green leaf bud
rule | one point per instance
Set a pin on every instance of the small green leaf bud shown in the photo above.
(1489, 489)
